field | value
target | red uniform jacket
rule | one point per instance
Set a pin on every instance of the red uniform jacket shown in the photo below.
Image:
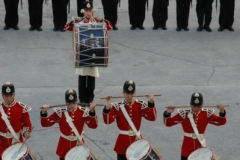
(79, 116)
(19, 119)
(136, 111)
(201, 119)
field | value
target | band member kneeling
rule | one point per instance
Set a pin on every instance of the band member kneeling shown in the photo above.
(136, 109)
(194, 122)
(71, 131)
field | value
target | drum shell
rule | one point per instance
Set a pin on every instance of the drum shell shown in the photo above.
(12, 151)
(76, 153)
(202, 153)
(90, 45)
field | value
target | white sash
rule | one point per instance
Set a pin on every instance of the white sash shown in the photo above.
(200, 138)
(71, 125)
(9, 126)
(129, 121)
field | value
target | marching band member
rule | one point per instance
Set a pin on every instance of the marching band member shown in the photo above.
(110, 8)
(16, 114)
(35, 8)
(160, 14)
(204, 14)
(11, 17)
(136, 9)
(78, 116)
(226, 17)
(59, 14)
(192, 126)
(87, 75)
(136, 109)
(183, 8)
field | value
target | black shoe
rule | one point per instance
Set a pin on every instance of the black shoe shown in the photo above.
(6, 27)
(16, 27)
(164, 27)
(178, 29)
(115, 28)
(208, 29)
(230, 28)
(32, 28)
(155, 28)
(133, 27)
(61, 29)
(141, 27)
(55, 29)
(186, 29)
(221, 29)
(200, 28)
(39, 28)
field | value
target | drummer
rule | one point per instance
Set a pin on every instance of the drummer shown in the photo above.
(136, 109)
(78, 116)
(17, 115)
(86, 75)
(201, 118)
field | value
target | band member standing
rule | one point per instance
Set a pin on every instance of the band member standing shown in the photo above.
(136, 109)
(110, 8)
(11, 17)
(16, 114)
(79, 116)
(136, 9)
(204, 14)
(87, 75)
(35, 8)
(160, 14)
(201, 117)
(183, 8)
(59, 14)
(226, 17)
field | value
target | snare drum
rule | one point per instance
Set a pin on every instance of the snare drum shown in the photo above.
(202, 154)
(141, 150)
(81, 152)
(90, 45)
(11, 153)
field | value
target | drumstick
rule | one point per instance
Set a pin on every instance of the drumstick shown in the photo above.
(134, 96)
(210, 106)
(62, 105)
(24, 141)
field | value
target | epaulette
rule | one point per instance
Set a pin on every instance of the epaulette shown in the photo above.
(99, 19)
(117, 105)
(59, 111)
(25, 107)
(85, 111)
(209, 111)
(182, 112)
(144, 104)
(78, 19)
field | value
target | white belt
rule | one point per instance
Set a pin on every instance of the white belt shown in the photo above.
(192, 135)
(129, 133)
(69, 138)
(8, 135)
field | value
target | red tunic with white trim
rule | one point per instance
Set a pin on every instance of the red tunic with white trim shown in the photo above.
(136, 110)
(202, 119)
(19, 119)
(80, 116)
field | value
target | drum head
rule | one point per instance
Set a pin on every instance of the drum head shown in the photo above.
(11, 153)
(201, 154)
(138, 150)
(78, 153)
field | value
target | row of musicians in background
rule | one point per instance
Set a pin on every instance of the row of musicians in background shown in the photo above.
(136, 13)
(35, 8)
